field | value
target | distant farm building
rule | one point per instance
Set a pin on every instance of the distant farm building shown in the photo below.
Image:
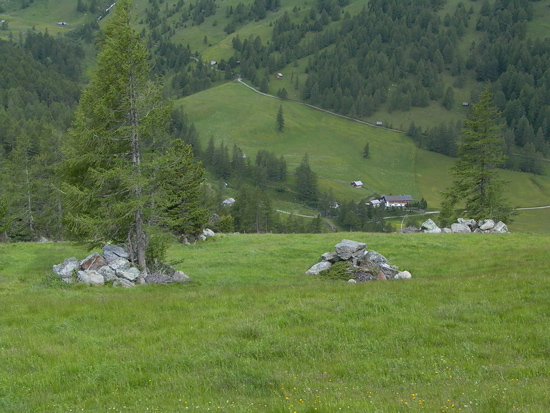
(379, 123)
(374, 203)
(63, 24)
(279, 75)
(396, 200)
(357, 184)
(465, 104)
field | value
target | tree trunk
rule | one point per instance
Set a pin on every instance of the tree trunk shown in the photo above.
(141, 241)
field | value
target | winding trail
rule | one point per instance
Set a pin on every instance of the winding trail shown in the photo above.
(240, 80)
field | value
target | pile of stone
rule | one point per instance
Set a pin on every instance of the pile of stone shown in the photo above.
(362, 265)
(203, 236)
(113, 266)
(485, 226)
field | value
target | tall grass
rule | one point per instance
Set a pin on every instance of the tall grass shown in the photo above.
(253, 333)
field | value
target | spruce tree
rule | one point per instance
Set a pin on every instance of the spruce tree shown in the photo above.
(477, 190)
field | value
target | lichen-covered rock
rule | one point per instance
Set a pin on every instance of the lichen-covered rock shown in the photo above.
(460, 228)
(375, 258)
(131, 274)
(108, 273)
(330, 257)
(470, 222)
(486, 224)
(93, 262)
(67, 269)
(122, 282)
(388, 270)
(90, 277)
(430, 227)
(112, 252)
(319, 267)
(119, 264)
(347, 249)
(499, 228)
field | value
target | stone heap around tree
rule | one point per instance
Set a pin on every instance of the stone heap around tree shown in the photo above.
(113, 266)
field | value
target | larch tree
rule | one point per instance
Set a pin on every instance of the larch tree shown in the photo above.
(113, 156)
(477, 190)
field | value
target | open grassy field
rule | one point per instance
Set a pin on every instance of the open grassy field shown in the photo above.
(335, 146)
(254, 334)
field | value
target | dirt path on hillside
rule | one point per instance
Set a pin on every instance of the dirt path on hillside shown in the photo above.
(240, 80)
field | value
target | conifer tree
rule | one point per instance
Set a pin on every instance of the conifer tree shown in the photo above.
(477, 189)
(111, 169)
(280, 119)
(306, 183)
(366, 151)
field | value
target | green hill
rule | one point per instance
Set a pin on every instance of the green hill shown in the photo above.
(335, 146)
(254, 334)
(231, 113)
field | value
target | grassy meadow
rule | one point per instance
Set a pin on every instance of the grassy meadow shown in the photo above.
(252, 333)
(335, 145)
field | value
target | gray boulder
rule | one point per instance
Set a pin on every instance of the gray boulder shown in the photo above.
(446, 230)
(375, 258)
(90, 277)
(347, 249)
(402, 275)
(330, 257)
(108, 273)
(486, 224)
(112, 252)
(180, 277)
(460, 228)
(499, 228)
(430, 227)
(319, 267)
(93, 262)
(470, 222)
(130, 274)
(67, 269)
(119, 264)
(122, 282)
(388, 270)
(208, 233)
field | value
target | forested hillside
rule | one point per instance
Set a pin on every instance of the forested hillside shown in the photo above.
(417, 65)
(38, 92)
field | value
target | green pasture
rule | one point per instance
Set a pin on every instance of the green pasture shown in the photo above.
(233, 113)
(252, 333)
(335, 146)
